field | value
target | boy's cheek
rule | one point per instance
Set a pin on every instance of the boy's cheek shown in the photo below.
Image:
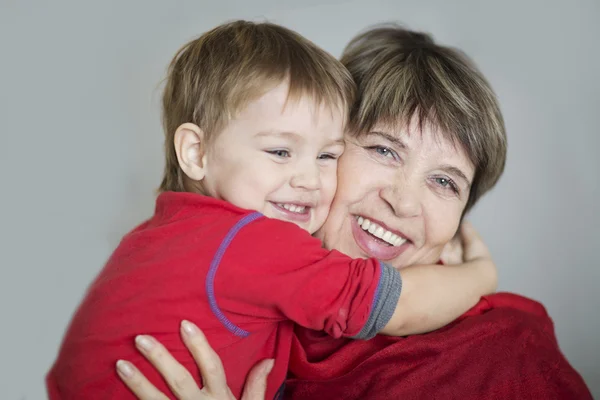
(330, 185)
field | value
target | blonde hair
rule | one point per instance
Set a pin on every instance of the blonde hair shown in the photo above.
(214, 76)
(402, 75)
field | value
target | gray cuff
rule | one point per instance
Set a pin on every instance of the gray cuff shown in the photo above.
(384, 303)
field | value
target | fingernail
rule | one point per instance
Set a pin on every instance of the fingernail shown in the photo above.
(269, 366)
(144, 342)
(124, 368)
(189, 328)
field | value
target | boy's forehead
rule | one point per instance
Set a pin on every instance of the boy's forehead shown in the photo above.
(280, 98)
(298, 136)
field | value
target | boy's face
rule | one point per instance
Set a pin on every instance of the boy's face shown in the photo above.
(279, 159)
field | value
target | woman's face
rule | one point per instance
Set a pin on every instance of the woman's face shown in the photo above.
(400, 196)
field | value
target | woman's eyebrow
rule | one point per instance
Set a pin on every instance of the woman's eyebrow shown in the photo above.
(390, 138)
(452, 170)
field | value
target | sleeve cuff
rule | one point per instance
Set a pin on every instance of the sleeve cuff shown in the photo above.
(384, 302)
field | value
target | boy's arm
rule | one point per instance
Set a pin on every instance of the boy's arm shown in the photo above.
(435, 295)
(272, 271)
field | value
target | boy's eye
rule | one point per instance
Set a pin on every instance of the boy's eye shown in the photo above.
(279, 153)
(327, 156)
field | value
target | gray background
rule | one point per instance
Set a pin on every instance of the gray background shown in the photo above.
(80, 149)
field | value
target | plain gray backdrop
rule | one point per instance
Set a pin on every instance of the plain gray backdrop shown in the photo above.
(81, 146)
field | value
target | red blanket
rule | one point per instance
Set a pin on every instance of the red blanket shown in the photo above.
(503, 348)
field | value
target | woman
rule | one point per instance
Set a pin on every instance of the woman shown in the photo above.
(428, 141)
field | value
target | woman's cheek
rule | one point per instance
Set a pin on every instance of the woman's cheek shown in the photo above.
(441, 223)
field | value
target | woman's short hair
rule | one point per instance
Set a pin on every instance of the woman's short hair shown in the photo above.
(402, 75)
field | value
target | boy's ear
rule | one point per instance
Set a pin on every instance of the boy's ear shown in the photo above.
(190, 146)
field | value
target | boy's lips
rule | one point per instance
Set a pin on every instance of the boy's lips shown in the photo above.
(381, 248)
(297, 212)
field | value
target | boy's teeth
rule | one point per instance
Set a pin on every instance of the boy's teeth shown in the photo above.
(292, 207)
(380, 232)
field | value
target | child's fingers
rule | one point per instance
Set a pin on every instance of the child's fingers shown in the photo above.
(178, 378)
(468, 232)
(208, 361)
(473, 244)
(137, 382)
(452, 252)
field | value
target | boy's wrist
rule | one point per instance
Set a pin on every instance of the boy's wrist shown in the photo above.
(487, 274)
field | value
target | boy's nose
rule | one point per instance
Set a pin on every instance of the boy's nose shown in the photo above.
(307, 177)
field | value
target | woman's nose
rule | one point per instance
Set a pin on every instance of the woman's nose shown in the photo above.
(403, 199)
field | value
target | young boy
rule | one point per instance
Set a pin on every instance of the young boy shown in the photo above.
(254, 118)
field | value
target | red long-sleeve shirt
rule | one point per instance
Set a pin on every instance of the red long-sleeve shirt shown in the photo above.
(244, 279)
(503, 348)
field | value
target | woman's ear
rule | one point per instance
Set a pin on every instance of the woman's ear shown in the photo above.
(190, 146)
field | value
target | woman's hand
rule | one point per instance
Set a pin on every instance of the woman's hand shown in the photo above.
(180, 380)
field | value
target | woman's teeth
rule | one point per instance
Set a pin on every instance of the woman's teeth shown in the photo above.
(379, 232)
(293, 208)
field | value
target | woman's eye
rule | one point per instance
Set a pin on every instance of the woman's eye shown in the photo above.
(443, 181)
(279, 153)
(384, 151)
(446, 183)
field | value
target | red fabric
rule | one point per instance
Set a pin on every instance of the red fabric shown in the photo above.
(157, 277)
(503, 348)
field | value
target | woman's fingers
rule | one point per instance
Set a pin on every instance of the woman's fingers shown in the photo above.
(211, 367)
(256, 384)
(137, 382)
(178, 378)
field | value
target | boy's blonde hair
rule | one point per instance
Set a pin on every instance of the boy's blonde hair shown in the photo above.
(215, 76)
(402, 74)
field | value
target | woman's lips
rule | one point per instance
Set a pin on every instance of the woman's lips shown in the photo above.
(373, 246)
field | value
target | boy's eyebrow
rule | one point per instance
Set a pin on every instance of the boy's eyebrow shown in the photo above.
(295, 136)
(284, 134)
(337, 141)
(452, 170)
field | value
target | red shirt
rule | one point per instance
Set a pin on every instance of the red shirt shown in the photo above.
(244, 279)
(503, 348)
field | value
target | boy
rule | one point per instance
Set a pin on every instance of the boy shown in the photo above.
(254, 118)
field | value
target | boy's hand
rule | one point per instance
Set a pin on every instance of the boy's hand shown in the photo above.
(468, 247)
(453, 251)
(477, 253)
(473, 246)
